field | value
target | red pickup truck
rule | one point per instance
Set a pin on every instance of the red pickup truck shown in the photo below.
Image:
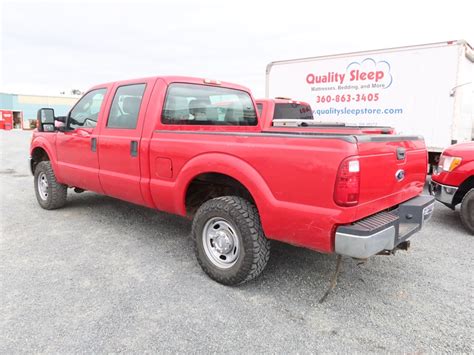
(278, 113)
(196, 148)
(452, 182)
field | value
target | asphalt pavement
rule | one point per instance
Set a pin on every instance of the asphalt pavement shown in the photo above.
(102, 275)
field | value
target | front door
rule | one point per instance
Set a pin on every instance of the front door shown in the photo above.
(120, 139)
(78, 163)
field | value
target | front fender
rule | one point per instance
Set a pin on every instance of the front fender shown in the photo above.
(455, 177)
(48, 147)
(466, 169)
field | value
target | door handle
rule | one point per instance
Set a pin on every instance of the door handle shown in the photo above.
(94, 144)
(134, 148)
(401, 153)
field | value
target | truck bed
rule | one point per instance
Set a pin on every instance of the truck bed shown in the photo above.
(291, 174)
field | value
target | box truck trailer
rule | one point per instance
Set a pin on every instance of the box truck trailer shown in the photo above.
(422, 90)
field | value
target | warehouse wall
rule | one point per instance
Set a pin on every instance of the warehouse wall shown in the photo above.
(30, 104)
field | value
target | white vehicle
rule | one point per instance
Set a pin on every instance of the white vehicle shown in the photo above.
(423, 90)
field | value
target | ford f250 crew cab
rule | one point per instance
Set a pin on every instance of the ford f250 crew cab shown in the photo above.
(196, 148)
(452, 181)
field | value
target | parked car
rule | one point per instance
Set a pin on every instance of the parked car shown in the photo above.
(196, 148)
(453, 181)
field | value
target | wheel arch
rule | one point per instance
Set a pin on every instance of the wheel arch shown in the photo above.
(41, 151)
(209, 185)
(38, 154)
(221, 170)
(463, 189)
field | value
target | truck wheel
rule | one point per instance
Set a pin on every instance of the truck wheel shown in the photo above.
(467, 211)
(49, 193)
(229, 241)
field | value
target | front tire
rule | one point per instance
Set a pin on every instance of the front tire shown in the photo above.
(49, 193)
(467, 211)
(229, 241)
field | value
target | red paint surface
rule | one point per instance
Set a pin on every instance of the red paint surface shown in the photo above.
(463, 171)
(291, 178)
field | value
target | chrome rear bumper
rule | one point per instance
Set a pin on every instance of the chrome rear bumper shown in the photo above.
(383, 231)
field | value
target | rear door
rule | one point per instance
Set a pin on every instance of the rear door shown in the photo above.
(120, 139)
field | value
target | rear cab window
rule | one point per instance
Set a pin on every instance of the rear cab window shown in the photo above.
(292, 111)
(194, 104)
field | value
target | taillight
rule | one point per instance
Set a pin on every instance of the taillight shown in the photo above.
(347, 187)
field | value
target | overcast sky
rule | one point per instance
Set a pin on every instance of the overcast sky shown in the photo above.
(48, 47)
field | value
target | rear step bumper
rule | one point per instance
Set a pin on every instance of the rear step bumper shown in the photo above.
(383, 231)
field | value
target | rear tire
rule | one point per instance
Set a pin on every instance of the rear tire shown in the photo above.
(467, 211)
(49, 193)
(229, 241)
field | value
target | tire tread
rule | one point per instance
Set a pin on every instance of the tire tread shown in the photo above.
(256, 245)
(58, 192)
(466, 214)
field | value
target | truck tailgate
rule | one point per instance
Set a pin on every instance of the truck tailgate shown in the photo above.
(392, 170)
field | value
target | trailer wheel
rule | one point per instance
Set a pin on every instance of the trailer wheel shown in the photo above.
(49, 193)
(229, 241)
(467, 211)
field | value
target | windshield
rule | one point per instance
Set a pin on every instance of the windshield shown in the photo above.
(292, 111)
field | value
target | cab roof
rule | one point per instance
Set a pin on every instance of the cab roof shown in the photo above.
(169, 79)
(281, 100)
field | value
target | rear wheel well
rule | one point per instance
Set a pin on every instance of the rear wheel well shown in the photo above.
(38, 155)
(207, 186)
(463, 189)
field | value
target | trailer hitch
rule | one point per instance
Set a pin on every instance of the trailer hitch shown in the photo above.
(402, 246)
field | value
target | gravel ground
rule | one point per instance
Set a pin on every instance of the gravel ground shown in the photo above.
(102, 275)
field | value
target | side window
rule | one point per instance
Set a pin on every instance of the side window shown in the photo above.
(259, 108)
(193, 104)
(86, 111)
(126, 106)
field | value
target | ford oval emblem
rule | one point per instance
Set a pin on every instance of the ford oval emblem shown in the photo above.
(400, 175)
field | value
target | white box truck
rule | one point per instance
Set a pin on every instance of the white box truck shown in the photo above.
(423, 90)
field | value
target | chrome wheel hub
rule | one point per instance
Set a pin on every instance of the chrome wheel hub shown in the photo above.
(221, 242)
(43, 186)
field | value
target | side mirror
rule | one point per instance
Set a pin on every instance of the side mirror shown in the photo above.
(60, 123)
(45, 118)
